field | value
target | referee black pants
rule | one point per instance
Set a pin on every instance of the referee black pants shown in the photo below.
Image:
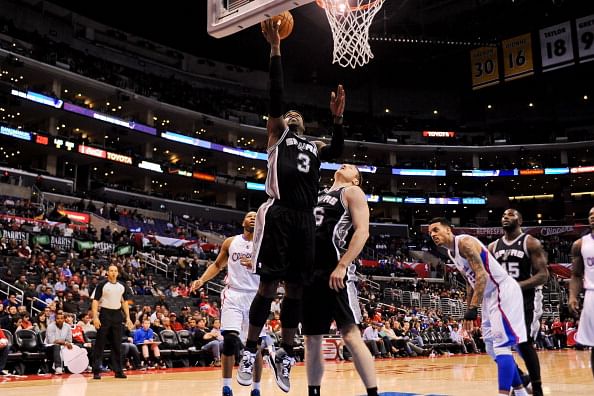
(110, 330)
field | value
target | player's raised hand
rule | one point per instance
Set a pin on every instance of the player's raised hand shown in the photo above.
(270, 32)
(337, 101)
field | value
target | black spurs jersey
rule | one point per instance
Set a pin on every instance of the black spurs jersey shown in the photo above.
(514, 257)
(334, 229)
(293, 171)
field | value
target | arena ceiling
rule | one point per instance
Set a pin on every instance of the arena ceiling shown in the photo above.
(182, 24)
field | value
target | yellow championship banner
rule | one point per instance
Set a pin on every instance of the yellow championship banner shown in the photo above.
(517, 57)
(485, 68)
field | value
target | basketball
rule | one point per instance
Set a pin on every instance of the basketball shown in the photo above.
(286, 24)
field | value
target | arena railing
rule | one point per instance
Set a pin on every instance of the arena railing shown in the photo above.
(10, 289)
(154, 262)
(448, 306)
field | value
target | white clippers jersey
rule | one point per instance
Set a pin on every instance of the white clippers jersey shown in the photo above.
(497, 274)
(588, 257)
(238, 276)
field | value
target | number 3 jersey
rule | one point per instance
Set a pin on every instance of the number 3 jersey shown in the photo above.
(334, 230)
(515, 259)
(293, 171)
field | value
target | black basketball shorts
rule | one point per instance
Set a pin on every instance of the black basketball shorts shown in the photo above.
(283, 242)
(321, 304)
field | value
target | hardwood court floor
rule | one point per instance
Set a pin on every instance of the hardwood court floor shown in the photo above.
(564, 372)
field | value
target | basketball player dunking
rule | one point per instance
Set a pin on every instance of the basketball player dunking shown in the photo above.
(285, 226)
(525, 260)
(241, 287)
(489, 286)
(582, 275)
(342, 227)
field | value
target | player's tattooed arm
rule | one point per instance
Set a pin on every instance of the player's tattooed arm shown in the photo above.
(539, 264)
(470, 250)
(577, 276)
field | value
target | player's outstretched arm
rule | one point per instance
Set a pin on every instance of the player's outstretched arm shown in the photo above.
(359, 210)
(336, 146)
(216, 267)
(577, 276)
(276, 124)
(540, 272)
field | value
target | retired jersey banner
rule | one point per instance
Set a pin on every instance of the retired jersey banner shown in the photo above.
(585, 38)
(517, 57)
(485, 68)
(556, 46)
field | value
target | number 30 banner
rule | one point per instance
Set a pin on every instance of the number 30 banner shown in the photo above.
(517, 57)
(585, 38)
(556, 46)
(485, 69)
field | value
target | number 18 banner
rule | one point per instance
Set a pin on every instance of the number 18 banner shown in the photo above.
(485, 70)
(556, 46)
(585, 38)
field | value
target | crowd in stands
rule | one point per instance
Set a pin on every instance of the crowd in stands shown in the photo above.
(55, 282)
(208, 97)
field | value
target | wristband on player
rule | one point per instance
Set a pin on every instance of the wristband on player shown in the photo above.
(471, 313)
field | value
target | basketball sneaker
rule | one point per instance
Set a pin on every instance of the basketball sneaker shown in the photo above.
(246, 368)
(255, 392)
(227, 391)
(281, 364)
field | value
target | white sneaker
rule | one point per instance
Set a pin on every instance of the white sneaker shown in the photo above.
(246, 368)
(59, 371)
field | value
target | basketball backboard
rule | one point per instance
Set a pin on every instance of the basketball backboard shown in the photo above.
(226, 17)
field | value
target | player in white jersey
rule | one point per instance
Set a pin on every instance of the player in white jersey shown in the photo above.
(582, 274)
(241, 285)
(489, 285)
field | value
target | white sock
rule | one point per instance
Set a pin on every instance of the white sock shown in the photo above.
(227, 382)
(256, 385)
(520, 392)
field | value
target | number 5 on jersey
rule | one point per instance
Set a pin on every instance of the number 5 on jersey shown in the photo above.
(319, 215)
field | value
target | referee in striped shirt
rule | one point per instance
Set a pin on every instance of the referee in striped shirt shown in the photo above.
(111, 295)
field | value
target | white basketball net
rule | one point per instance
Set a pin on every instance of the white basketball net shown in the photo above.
(350, 29)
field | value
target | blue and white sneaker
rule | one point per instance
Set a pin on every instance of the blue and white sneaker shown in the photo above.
(227, 391)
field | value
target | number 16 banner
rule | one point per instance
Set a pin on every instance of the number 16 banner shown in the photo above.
(556, 46)
(585, 38)
(517, 57)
